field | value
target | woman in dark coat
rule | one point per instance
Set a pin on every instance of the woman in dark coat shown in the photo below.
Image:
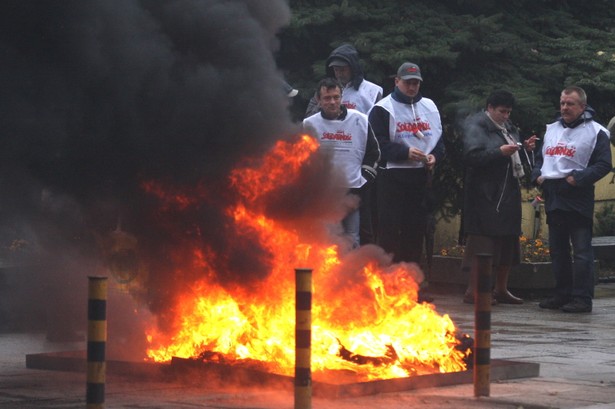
(492, 194)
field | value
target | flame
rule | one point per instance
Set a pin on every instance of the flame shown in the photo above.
(366, 321)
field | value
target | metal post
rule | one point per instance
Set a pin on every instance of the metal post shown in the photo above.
(536, 204)
(303, 338)
(482, 324)
(97, 340)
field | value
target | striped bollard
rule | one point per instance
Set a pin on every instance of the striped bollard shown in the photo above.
(97, 339)
(482, 324)
(303, 338)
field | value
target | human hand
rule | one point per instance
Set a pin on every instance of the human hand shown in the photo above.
(540, 179)
(509, 149)
(570, 180)
(417, 155)
(430, 162)
(530, 143)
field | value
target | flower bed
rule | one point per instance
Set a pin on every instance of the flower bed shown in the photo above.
(532, 250)
(534, 272)
(534, 275)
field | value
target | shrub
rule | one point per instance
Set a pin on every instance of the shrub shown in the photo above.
(605, 221)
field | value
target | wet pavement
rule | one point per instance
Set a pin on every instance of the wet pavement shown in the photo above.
(575, 353)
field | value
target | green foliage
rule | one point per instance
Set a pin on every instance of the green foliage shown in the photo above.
(466, 49)
(605, 221)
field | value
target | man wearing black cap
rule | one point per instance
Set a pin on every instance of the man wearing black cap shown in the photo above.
(408, 128)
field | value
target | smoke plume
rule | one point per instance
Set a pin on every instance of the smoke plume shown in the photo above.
(101, 99)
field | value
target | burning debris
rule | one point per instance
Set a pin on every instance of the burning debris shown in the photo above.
(389, 357)
(366, 318)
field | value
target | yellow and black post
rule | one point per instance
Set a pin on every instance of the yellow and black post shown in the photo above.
(482, 324)
(303, 338)
(97, 340)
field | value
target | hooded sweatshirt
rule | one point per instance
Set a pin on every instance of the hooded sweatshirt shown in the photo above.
(359, 93)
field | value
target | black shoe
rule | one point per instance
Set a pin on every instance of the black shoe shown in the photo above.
(577, 305)
(554, 303)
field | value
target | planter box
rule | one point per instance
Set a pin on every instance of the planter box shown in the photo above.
(532, 276)
(525, 276)
(446, 270)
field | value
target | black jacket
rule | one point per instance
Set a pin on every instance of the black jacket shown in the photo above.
(492, 195)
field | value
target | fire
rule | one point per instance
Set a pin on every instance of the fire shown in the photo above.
(365, 318)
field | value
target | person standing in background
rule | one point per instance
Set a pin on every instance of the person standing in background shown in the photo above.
(357, 93)
(408, 128)
(576, 153)
(492, 192)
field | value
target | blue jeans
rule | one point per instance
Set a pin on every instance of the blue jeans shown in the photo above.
(572, 279)
(351, 225)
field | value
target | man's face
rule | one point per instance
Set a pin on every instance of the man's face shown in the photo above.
(330, 101)
(409, 87)
(343, 74)
(570, 107)
(499, 114)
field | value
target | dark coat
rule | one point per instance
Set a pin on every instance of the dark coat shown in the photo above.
(492, 195)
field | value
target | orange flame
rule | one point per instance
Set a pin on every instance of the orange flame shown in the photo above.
(365, 321)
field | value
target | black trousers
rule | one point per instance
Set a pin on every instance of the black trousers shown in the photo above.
(402, 213)
(366, 229)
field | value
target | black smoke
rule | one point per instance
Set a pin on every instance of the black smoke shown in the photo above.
(99, 96)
